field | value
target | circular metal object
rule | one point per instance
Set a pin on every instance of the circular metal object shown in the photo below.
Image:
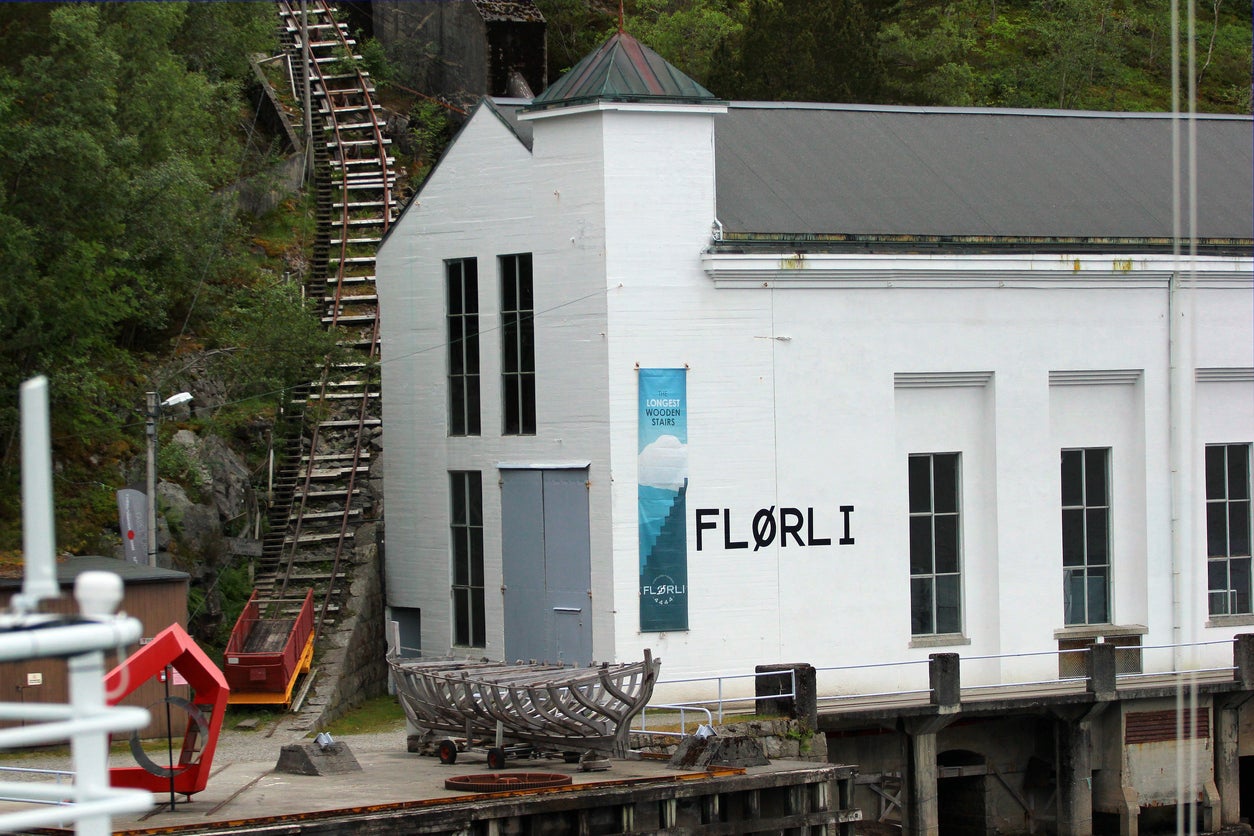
(506, 781)
(152, 767)
(447, 751)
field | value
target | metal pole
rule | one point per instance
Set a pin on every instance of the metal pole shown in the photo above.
(38, 527)
(305, 59)
(169, 741)
(153, 407)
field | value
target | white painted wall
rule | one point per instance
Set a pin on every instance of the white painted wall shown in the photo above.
(485, 199)
(810, 381)
(838, 433)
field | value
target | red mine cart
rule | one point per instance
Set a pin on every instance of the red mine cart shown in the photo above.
(265, 656)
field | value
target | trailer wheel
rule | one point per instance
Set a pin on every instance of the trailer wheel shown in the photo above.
(447, 751)
(496, 758)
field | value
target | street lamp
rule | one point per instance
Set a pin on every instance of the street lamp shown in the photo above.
(154, 414)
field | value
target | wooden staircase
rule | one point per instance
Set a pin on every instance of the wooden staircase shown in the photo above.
(320, 494)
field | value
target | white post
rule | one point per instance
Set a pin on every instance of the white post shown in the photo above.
(90, 749)
(153, 406)
(38, 526)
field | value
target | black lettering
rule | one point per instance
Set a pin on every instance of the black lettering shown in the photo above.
(764, 528)
(846, 510)
(727, 540)
(810, 538)
(789, 523)
(702, 524)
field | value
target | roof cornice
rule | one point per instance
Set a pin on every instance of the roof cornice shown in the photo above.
(1035, 270)
(639, 106)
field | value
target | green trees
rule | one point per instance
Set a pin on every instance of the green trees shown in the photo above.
(121, 124)
(800, 50)
(688, 33)
(110, 149)
(1079, 54)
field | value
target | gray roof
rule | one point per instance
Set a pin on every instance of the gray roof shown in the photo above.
(789, 171)
(508, 110)
(69, 568)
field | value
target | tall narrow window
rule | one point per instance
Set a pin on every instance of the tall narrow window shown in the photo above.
(518, 346)
(462, 276)
(935, 545)
(1086, 535)
(1228, 528)
(466, 534)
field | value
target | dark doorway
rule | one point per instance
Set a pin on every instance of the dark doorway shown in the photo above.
(1246, 767)
(962, 794)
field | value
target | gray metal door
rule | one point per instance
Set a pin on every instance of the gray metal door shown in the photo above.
(546, 565)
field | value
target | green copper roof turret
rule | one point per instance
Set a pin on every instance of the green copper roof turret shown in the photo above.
(622, 70)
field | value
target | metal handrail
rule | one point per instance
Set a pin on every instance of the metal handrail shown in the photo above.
(683, 723)
(1062, 680)
(25, 797)
(873, 665)
(1190, 671)
(870, 695)
(720, 701)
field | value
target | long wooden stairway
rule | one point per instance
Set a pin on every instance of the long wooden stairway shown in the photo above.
(322, 494)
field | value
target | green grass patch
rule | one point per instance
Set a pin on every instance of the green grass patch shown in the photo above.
(379, 714)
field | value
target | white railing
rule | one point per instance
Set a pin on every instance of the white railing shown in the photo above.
(840, 687)
(908, 669)
(27, 634)
(86, 723)
(1176, 668)
(58, 776)
(1031, 682)
(720, 705)
(669, 711)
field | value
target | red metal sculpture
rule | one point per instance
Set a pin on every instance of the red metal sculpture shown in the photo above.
(173, 648)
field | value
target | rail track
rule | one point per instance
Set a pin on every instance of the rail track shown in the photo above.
(321, 496)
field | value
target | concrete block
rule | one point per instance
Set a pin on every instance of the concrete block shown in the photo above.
(801, 705)
(312, 759)
(695, 752)
(944, 679)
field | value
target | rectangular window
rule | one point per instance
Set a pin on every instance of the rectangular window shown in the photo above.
(466, 534)
(518, 347)
(935, 545)
(462, 276)
(1228, 528)
(1086, 535)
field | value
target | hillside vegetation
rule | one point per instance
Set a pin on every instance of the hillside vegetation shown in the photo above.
(1075, 54)
(124, 129)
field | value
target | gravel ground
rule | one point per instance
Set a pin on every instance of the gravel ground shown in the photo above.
(234, 746)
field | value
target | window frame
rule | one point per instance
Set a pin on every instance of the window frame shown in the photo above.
(1086, 510)
(937, 524)
(1233, 512)
(518, 358)
(461, 307)
(467, 606)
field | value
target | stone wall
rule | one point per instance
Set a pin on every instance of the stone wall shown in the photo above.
(352, 667)
(782, 739)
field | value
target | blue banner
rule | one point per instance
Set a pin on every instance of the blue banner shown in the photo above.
(661, 485)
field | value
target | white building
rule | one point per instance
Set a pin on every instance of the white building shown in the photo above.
(753, 383)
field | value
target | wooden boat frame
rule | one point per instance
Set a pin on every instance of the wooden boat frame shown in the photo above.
(549, 706)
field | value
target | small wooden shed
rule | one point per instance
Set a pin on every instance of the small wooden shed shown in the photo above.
(156, 596)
